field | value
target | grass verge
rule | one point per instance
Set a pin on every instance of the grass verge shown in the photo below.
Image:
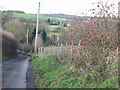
(49, 73)
(7, 58)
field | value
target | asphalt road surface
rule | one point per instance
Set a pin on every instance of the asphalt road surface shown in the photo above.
(14, 72)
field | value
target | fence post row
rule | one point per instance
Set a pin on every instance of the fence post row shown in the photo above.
(57, 50)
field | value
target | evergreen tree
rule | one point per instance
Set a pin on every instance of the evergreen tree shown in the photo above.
(48, 20)
(44, 36)
(32, 35)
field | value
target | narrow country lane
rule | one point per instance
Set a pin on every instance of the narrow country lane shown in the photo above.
(14, 72)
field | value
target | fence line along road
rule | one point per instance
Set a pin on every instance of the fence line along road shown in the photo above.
(52, 50)
(60, 51)
(57, 50)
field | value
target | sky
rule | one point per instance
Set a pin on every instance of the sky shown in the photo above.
(71, 7)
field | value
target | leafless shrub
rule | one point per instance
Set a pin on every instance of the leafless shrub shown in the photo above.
(9, 44)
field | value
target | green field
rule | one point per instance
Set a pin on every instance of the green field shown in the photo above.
(54, 26)
(52, 29)
(56, 30)
(32, 16)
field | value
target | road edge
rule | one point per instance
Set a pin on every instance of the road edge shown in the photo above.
(30, 80)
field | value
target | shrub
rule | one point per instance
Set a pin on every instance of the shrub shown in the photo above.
(97, 39)
(9, 44)
(17, 28)
(25, 48)
(50, 74)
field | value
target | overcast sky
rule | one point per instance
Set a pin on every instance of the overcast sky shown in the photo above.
(73, 7)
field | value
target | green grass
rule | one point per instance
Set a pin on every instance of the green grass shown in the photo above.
(53, 26)
(26, 16)
(32, 16)
(48, 71)
(54, 33)
(0, 59)
(7, 58)
(56, 30)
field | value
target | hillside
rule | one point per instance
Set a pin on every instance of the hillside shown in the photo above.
(45, 17)
(33, 16)
(65, 16)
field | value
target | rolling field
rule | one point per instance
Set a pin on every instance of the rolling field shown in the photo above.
(32, 16)
(53, 29)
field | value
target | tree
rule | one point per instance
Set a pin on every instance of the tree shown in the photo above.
(48, 20)
(97, 40)
(6, 16)
(44, 36)
(32, 31)
(32, 35)
(9, 44)
(17, 28)
(58, 22)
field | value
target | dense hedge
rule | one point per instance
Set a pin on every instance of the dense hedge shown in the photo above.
(9, 44)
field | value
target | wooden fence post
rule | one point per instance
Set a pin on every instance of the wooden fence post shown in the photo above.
(61, 50)
(38, 50)
(71, 50)
(79, 46)
(58, 50)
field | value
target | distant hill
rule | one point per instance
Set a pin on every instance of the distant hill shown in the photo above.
(15, 11)
(33, 16)
(65, 16)
(61, 17)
